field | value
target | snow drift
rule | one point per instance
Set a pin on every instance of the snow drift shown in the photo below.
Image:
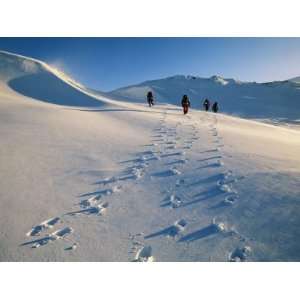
(37, 80)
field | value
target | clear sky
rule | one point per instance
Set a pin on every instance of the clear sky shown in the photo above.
(109, 63)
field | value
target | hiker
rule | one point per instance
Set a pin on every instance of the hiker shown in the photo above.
(150, 99)
(206, 104)
(185, 102)
(215, 107)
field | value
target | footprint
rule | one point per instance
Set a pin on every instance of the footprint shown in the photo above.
(220, 163)
(186, 147)
(179, 161)
(228, 174)
(62, 233)
(240, 254)
(114, 189)
(175, 171)
(173, 154)
(172, 200)
(136, 242)
(138, 173)
(230, 200)
(170, 143)
(59, 234)
(167, 173)
(36, 230)
(179, 182)
(171, 147)
(219, 226)
(171, 231)
(145, 158)
(70, 248)
(225, 188)
(144, 254)
(98, 209)
(227, 178)
(41, 242)
(105, 192)
(179, 226)
(107, 180)
(90, 201)
(149, 152)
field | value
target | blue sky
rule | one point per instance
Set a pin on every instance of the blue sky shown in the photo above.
(109, 63)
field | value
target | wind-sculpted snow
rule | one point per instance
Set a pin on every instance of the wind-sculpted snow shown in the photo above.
(47, 87)
(37, 80)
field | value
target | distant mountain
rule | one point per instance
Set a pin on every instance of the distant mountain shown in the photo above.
(277, 100)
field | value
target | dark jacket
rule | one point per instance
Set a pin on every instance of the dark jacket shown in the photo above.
(206, 103)
(150, 96)
(215, 107)
(185, 101)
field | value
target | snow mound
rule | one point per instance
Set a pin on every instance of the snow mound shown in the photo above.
(37, 80)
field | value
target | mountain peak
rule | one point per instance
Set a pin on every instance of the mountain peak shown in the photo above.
(219, 79)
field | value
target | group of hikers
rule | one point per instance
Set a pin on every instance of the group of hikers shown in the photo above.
(186, 104)
(214, 107)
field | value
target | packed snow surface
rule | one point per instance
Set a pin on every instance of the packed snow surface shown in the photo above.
(85, 177)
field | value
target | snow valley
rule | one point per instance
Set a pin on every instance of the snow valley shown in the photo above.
(92, 176)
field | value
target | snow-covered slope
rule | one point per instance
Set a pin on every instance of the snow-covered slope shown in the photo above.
(37, 80)
(122, 182)
(276, 102)
(295, 79)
